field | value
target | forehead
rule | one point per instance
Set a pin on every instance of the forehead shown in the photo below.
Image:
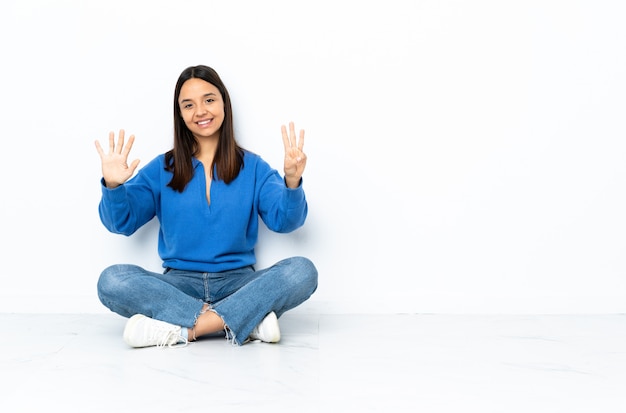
(196, 88)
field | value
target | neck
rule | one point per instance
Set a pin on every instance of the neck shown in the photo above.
(206, 149)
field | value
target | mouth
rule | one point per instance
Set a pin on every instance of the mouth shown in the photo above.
(204, 123)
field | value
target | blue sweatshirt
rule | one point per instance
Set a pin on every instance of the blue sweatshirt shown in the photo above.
(194, 235)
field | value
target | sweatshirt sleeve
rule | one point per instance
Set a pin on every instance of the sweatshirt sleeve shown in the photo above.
(125, 209)
(281, 208)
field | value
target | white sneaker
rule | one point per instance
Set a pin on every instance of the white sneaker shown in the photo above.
(268, 330)
(142, 331)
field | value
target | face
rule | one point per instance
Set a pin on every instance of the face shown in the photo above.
(202, 108)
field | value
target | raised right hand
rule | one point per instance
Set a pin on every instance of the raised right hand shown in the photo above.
(115, 168)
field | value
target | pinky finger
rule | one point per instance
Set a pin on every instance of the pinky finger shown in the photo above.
(99, 148)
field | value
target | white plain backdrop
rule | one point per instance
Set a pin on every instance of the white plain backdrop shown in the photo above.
(464, 156)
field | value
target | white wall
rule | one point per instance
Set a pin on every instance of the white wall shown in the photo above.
(464, 156)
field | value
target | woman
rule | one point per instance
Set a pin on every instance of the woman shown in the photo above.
(208, 194)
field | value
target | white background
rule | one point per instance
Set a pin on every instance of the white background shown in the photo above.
(464, 156)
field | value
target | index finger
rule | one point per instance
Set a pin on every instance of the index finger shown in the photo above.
(129, 145)
(286, 144)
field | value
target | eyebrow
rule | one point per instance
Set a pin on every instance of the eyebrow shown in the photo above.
(204, 96)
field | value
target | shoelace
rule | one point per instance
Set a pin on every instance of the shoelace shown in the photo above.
(167, 338)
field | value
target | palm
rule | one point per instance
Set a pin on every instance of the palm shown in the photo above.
(115, 168)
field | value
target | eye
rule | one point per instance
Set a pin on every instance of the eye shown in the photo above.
(210, 100)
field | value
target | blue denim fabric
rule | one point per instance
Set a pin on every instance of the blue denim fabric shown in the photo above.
(242, 297)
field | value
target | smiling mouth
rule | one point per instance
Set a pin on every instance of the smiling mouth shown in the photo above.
(204, 122)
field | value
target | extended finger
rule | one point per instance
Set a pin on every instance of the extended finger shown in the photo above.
(111, 142)
(301, 140)
(292, 135)
(129, 145)
(120, 141)
(99, 148)
(286, 144)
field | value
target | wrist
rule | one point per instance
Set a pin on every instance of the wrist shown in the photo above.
(109, 185)
(292, 182)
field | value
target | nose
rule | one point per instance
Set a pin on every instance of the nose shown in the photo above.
(201, 111)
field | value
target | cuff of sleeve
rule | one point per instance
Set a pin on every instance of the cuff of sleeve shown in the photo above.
(295, 194)
(115, 194)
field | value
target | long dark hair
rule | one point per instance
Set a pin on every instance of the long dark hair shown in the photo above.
(228, 159)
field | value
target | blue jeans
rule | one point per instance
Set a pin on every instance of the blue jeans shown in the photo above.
(241, 297)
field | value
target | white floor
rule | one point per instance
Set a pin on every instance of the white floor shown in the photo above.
(324, 363)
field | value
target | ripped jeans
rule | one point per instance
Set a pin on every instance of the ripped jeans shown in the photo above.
(241, 297)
